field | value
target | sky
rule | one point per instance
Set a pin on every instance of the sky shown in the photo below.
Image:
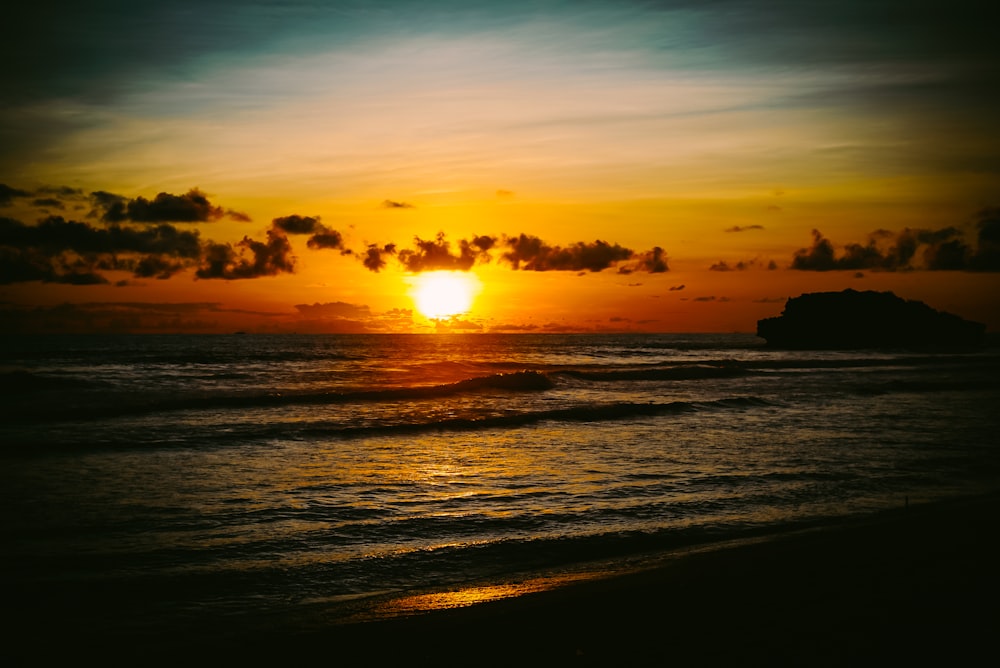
(672, 166)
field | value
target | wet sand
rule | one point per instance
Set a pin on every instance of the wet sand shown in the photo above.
(919, 586)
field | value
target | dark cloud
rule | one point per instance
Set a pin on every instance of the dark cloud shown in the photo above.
(296, 224)
(191, 207)
(513, 328)
(745, 228)
(436, 254)
(653, 261)
(60, 191)
(119, 317)
(530, 253)
(456, 324)
(987, 257)
(334, 310)
(373, 257)
(55, 234)
(725, 266)
(524, 251)
(48, 202)
(109, 206)
(247, 258)
(66, 251)
(322, 236)
(9, 194)
(328, 239)
(674, 288)
(24, 265)
(945, 249)
(157, 266)
(390, 204)
(47, 196)
(743, 265)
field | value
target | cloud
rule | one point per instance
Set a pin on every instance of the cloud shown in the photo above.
(653, 261)
(436, 254)
(674, 288)
(191, 207)
(373, 259)
(505, 194)
(513, 328)
(987, 257)
(121, 317)
(322, 236)
(60, 250)
(238, 216)
(47, 196)
(328, 239)
(296, 224)
(745, 228)
(530, 253)
(724, 266)
(9, 194)
(743, 265)
(66, 251)
(60, 191)
(945, 249)
(524, 252)
(391, 204)
(57, 234)
(334, 310)
(456, 324)
(24, 265)
(157, 266)
(247, 258)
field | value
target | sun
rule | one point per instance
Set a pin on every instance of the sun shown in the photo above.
(442, 294)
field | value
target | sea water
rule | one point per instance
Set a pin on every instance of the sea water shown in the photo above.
(187, 478)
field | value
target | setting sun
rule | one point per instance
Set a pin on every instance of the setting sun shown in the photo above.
(442, 294)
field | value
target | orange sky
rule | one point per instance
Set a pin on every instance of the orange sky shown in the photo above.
(670, 168)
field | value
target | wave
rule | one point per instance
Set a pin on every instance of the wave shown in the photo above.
(19, 382)
(929, 386)
(680, 372)
(260, 431)
(519, 381)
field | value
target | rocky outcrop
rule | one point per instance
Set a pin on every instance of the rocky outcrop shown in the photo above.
(852, 319)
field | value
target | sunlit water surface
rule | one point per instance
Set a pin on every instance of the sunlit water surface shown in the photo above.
(195, 477)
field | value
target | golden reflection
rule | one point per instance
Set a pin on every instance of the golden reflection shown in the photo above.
(467, 596)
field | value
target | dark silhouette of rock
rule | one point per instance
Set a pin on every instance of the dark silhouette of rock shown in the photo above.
(852, 319)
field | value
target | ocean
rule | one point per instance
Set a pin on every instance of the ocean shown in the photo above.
(171, 481)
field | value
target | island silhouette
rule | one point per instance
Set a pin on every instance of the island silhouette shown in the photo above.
(868, 319)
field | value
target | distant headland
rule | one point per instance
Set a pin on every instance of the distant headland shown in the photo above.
(852, 319)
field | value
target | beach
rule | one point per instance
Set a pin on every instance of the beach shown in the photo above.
(913, 586)
(528, 500)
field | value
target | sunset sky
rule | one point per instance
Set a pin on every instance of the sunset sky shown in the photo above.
(302, 166)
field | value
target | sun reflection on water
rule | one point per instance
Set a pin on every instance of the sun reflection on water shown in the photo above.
(474, 595)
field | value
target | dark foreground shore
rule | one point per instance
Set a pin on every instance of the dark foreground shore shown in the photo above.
(918, 586)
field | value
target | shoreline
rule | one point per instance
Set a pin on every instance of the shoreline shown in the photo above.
(917, 585)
